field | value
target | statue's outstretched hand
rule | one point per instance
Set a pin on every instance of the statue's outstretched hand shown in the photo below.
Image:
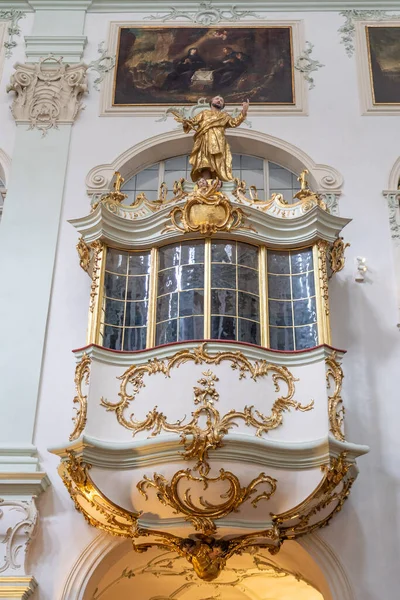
(245, 107)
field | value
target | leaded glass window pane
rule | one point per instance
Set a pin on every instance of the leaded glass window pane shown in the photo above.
(235, 310)
(292, 307)
(180, 293)
(125, 300)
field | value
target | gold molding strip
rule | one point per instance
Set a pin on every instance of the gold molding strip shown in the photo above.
(336, 409)
(322, 291)
(82, 374)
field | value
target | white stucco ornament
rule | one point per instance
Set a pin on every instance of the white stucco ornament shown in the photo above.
(47, 93)
(18, 524)
(12, 16)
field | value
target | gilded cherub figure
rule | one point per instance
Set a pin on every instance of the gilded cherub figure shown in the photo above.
(211, 156)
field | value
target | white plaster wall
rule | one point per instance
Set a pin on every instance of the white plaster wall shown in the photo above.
(366, 535)
(7, 123)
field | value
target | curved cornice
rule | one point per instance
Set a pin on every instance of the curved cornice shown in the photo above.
(260, 228)
(239, 448)
(288, 359)
(322, 178)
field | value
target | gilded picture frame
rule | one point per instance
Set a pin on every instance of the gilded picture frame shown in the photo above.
(378, 62)
(176, 64)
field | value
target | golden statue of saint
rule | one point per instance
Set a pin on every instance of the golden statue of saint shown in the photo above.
(211, 156)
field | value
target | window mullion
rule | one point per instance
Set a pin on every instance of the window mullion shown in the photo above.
(263, 295)
(161, 175)
(126, 296)
(266, 179)
(152, 304)
(207, 289)
(292, 301)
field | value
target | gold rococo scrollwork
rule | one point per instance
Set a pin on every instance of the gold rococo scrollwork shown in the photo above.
(202, 517)
(336, 255)
(207, 210)
(209, 436)
(84, 255)
(322, 246)
(97, 250)
(303, 201)
(334, 489)
(82, 374)
(334, 374)
(207, 554)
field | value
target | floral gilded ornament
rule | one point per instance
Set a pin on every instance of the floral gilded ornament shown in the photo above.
(97, 248)
(323, 273)
(207, 211)
(84, 255)
(334, 374)
(336, 255)
(204, 438)
(202, 517)
(82, 374)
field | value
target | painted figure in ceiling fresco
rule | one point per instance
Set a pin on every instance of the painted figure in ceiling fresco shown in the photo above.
(211, 156)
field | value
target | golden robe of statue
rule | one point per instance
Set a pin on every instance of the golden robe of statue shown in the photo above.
(211, 156)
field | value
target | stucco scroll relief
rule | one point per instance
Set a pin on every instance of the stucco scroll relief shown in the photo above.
(20, 518)
(347, 31)
(206, 14)
(103, 65)
(12, 16)
(47, 93)
(199, 439)
(307, 65)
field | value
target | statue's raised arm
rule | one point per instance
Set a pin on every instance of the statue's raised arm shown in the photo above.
(211, 156)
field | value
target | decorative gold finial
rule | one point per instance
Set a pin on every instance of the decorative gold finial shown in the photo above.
(303, 181)
(305, 195)
(119, 180)
(115, 197)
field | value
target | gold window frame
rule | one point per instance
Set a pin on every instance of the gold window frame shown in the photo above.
(320, 278)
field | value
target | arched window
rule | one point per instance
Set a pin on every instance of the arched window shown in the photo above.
(267, 176)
